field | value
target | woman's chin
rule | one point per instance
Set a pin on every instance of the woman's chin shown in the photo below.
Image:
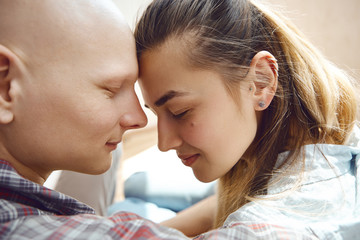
(205, 178)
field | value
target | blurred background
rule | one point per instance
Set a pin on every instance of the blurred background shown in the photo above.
(333, 26)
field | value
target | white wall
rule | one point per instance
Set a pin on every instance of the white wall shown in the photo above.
(132, 9)
(333, 26)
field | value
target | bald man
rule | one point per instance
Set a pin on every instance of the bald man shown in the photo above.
(67, 74)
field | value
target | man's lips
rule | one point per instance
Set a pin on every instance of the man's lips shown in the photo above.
(188, 159)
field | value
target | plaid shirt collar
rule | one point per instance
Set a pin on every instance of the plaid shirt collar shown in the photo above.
(29, 196)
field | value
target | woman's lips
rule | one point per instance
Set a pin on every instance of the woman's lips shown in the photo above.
(188, 160)
(112, 145)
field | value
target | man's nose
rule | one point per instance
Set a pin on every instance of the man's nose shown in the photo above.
(134, 117)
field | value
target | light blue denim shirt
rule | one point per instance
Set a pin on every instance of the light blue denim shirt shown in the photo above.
(321, 197)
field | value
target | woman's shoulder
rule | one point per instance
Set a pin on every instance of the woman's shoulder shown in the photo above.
(273, 216)
(354, 137)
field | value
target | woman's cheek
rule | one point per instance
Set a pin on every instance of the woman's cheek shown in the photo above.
(198, 135)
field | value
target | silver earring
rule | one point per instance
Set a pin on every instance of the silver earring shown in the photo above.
(262, 104)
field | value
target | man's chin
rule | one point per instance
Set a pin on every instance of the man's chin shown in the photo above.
(102, 166)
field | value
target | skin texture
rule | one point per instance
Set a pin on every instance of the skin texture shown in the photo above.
(196, 115)
(67, 88)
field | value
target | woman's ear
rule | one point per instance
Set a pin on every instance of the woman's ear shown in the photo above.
(264, 71)
(6, 114)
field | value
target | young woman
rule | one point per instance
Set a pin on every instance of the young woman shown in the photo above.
(244, 98)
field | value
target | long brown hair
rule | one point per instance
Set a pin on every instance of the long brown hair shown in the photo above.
(314, 103)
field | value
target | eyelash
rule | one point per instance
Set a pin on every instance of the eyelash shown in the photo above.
(111, 91)
(180, 115)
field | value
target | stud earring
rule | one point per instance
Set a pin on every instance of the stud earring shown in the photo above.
(262, 104)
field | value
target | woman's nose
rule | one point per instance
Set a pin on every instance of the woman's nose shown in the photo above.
(168, 137)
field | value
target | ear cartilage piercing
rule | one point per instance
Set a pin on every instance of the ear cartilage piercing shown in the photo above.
(273, 64)
(262, 104)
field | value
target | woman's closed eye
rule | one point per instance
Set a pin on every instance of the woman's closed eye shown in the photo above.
(181, 114)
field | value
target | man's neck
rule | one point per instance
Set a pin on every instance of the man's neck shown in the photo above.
(25, 171)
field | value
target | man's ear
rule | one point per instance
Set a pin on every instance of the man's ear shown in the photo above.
(264, 70)
(6, 57)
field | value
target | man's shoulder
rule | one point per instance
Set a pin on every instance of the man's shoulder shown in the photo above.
(22, 197)
(32, 223)
(123, 225)
(10, 211)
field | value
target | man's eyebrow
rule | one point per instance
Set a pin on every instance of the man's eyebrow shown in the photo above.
(167, 96)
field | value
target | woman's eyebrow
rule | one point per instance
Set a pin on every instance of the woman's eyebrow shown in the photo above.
(168, 96)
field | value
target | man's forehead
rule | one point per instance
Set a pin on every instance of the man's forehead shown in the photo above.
(55, 24)
(22, 15)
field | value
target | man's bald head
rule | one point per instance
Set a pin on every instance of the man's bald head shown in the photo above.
(67, 74)
(43, 29)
